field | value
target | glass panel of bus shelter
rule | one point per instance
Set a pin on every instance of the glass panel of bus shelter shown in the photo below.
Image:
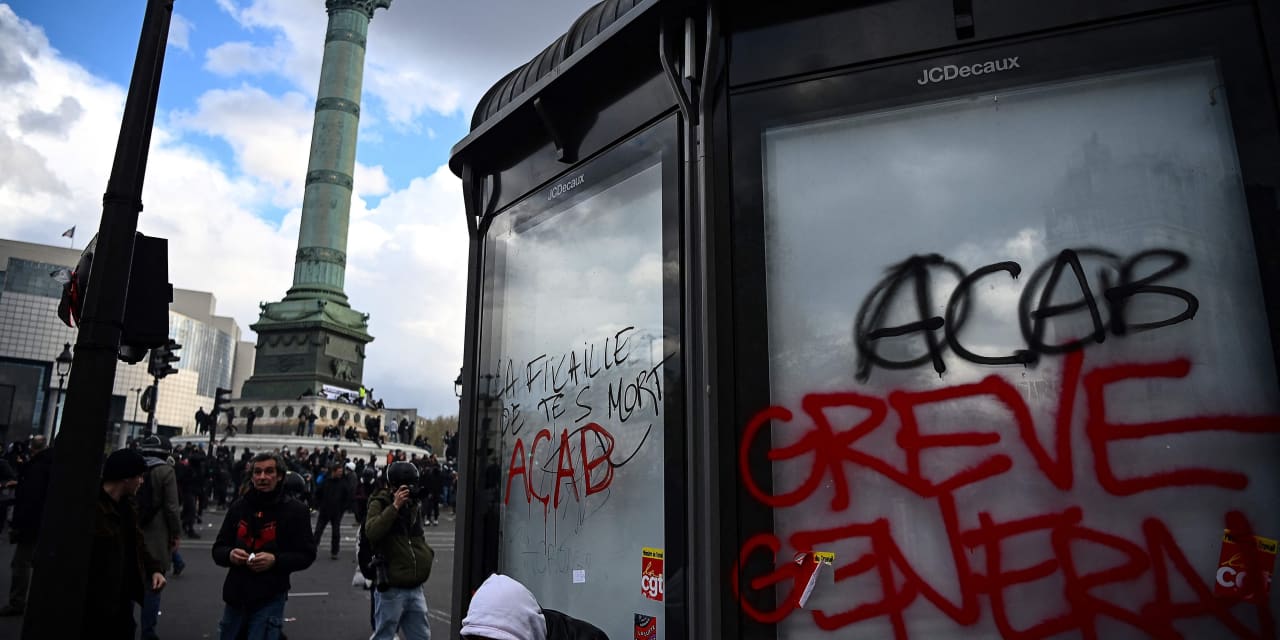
(573, 385)
(980, 476)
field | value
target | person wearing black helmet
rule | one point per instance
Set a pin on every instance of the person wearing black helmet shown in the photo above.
(394, 529)
(295, 487)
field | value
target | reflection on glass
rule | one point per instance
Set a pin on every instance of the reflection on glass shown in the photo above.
(572, 394)
(873, 223)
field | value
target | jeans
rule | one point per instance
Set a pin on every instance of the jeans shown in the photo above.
(263, 623)
(403, 609)
(150, 612)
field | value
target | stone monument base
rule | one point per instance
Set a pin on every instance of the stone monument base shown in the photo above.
(269, 441)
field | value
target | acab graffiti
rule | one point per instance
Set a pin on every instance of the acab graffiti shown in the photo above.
(827, 446)
(911, 279)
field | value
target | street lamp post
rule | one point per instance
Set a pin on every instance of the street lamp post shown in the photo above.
(137, 400)
(63, 364)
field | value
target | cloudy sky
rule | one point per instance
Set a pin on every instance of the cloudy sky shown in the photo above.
(229, 151)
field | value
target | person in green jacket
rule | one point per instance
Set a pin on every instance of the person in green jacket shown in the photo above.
(395, 532)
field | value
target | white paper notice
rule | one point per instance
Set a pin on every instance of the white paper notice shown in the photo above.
(579, 575)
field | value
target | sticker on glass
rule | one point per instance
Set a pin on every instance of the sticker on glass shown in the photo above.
(1235, 564)
(646, 627)
(651, 575)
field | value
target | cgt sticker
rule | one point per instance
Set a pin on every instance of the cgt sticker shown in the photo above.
(651, 576)
(1232, 580)
(646, 627)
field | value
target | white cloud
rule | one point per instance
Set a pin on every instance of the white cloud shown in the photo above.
(270, 135)
(180, 32)
(235, 58)
(422, 56)
(371, 181)
(407, 268)
(407, 253)
(408, 93)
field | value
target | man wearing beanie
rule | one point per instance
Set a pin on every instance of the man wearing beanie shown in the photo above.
(265, 536)
(118, 560)
(503, 609)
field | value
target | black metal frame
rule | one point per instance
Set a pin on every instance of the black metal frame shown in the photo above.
(1220, 30)
(662, 134)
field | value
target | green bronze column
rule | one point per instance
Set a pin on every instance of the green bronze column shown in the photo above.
(319, 269)
(313, 338)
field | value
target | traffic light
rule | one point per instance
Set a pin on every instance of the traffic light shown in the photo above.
(162, 359)
(220, 398)
(146, 311)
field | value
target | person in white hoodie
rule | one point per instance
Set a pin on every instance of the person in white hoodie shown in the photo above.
(503, 609)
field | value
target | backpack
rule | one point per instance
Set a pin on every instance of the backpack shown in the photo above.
(364, 554)
(148, 504)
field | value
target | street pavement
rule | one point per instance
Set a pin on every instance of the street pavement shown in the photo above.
(322, 603)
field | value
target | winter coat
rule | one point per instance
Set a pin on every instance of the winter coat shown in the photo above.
(334, 496)
(118, 562)
(398, 535)
(270, 522)
(166, 524)
(433, 480)
(564, 627)
(33, 490)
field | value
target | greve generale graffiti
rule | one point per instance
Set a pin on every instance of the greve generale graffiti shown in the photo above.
(1156, 561)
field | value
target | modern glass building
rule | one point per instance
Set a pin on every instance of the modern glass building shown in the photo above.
(32, 337)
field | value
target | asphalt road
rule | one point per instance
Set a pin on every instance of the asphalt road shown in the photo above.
(322, 603)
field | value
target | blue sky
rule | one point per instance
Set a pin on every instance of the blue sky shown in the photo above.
(229, 150)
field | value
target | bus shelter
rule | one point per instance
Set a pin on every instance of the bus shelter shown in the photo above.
(880, 319)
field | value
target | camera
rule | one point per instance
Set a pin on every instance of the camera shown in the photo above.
(380, 580)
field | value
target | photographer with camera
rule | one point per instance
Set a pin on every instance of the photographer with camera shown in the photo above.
(394, 529)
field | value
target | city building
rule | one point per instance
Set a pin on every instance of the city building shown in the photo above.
(32, 338)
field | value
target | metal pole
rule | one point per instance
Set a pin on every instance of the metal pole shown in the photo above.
(50, 414)
(55, 603)
(151, 412)
(57, 410)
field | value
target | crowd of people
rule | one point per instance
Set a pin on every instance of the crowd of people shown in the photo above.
(394, 432)
(163, 493)
(152, 495)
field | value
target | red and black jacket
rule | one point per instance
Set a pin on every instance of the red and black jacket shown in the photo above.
(259, 522)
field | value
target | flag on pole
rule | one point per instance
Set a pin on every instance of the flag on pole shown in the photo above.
(69, 233)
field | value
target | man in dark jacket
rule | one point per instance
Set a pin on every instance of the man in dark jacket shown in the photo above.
(394, 529)
(265, 536)
(28, 509)
(160, 522)
(333, 498)
(373, 429)
(118, 560)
